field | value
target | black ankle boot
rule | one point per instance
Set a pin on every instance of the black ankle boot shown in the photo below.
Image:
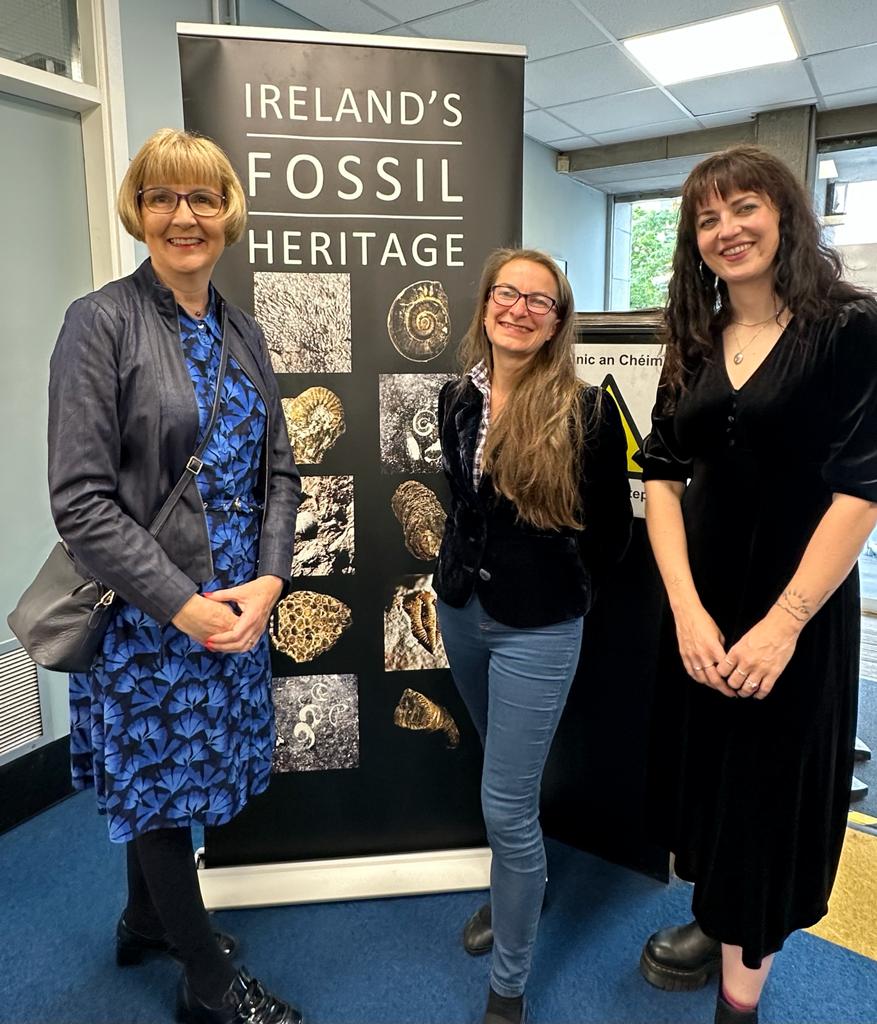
(131, 946)
(505, 1009)
(727, 1014)
(245, 1002)
(681, 958)
(478, 932)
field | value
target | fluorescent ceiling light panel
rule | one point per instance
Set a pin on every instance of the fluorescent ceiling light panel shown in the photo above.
(708, 48)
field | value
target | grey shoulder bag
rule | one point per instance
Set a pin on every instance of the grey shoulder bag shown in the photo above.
(62, 616)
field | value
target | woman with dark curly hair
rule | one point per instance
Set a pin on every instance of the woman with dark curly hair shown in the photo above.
(761, 485)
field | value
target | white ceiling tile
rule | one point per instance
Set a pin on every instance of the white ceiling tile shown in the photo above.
(845, 70)
(626, 18)
(409, 10)
(528, 105)
(596, 71)
(546, 28)
(400, 30)
(725, 117)
(613, 113)
(759, 88)
(833, 25)
(647, 131)
(576, 142)
(341, 15)
(851, 99)
(544, 127)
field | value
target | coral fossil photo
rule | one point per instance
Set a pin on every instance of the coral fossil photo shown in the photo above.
(419, 322)
(409, 421)
(411, 632)
(317, 720)
(324, 527)
(415, 711)
(307, 624)
(315, 421)
(422, 518)
(306, 320)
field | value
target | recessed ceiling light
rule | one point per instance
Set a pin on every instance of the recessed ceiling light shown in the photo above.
(827, 169)
(708, 48)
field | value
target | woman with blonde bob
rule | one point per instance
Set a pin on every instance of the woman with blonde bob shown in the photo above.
(540, 508)
(173, 722)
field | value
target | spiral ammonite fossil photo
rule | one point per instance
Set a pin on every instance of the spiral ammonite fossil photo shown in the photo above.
(317, 721)
(315, 421)
(411, 631)
(422, 518)
(415, 711)
(409, 421)
(308, 624)
(419, 322)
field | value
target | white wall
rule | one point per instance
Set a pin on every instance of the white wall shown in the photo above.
(568, 220)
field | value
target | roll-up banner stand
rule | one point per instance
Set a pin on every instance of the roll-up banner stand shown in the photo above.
(379, 174)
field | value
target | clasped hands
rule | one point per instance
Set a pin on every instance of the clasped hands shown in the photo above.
(233, 619)
(747, 669)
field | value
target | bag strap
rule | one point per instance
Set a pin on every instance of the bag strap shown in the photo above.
(195, 463)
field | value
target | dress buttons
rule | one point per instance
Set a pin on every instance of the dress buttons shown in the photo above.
(484, 574)
(202, 326)
(731, 418)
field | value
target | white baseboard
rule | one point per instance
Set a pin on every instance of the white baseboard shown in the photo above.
(353, 878)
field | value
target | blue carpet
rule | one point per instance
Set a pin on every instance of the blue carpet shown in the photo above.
(377, 961)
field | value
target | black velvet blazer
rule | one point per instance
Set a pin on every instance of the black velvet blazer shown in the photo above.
(527, 577)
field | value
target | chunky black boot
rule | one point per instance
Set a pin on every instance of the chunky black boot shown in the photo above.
(478, 932)
(245, 1002)
(131, 946)
(681, 958)
(726, 1014)
(505, 1009)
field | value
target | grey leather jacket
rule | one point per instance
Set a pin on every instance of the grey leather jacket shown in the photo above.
(123, 421)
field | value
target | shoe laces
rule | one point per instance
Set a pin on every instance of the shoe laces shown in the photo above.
(259, 1007)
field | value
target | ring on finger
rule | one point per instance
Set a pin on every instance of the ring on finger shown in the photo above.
(752, 684)
(698, 668)
(742, 673)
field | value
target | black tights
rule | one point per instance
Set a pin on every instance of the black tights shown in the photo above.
(164, 898)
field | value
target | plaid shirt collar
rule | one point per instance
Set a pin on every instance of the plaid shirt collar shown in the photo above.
(480, 377)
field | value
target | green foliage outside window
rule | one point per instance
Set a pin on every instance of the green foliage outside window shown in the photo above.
(652, 241)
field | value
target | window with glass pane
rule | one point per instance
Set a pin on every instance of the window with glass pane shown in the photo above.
(43, 34)
(846, 201)
(643, 240)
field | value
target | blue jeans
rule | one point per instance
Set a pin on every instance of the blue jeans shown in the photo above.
(514, 683)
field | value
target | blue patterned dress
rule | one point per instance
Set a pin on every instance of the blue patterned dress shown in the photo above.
(166, 731)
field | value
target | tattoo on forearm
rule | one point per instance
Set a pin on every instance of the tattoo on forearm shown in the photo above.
(798, 605)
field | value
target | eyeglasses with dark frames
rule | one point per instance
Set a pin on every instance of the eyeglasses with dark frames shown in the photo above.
(537, 303)
(201, 202)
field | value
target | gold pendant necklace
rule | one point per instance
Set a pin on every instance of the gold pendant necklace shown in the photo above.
(738, 355)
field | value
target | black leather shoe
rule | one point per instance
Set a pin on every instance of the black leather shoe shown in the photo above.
(132, 946)
(246, 1002)
(478, 933)
(680, 959)
(726, 1014)
(505, 1011)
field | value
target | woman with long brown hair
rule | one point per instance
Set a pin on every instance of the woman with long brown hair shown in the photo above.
(536, 462)
(761, 485)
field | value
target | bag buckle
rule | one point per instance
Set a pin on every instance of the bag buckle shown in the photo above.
(194, 465)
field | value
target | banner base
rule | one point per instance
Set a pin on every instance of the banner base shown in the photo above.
(352, 878)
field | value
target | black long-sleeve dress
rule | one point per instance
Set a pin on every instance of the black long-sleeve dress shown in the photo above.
(754, 794)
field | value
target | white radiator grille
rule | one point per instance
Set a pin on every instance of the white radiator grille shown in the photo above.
(20, 718)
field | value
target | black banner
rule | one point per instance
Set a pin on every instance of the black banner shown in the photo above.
(378, 179)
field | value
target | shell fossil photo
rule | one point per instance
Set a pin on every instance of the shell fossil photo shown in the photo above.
(306, 624)
(315, 421)
(419, 322)
(409, 421)
(324, 527)
(412, 639)
(415, 711)
(317, 720)
(422, 518)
